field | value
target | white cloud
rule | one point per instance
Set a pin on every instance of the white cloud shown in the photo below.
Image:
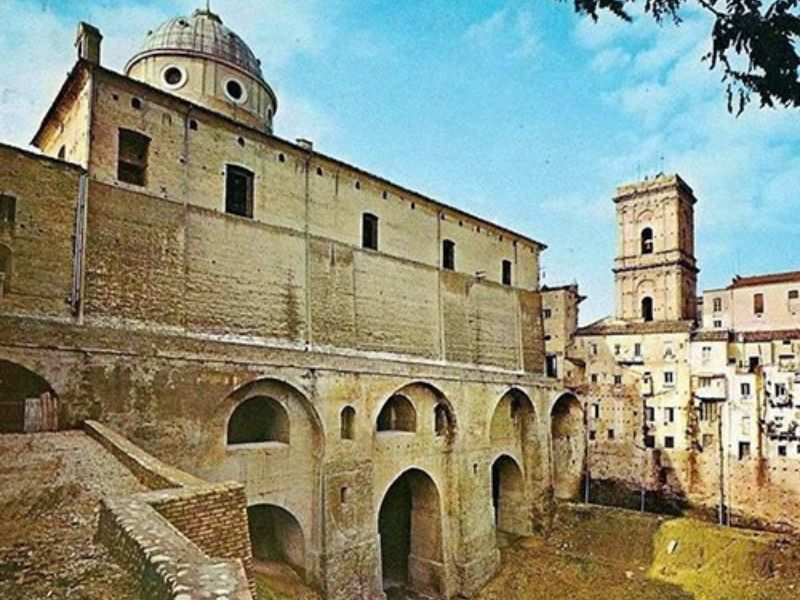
(511, 31)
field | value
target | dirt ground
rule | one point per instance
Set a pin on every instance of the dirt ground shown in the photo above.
(604, 553)
(50, 485)
(275, 581)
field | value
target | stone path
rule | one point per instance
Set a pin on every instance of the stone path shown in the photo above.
(50, 485)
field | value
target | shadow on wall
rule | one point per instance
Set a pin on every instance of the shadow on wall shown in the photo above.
(28, 402)
(568, 447)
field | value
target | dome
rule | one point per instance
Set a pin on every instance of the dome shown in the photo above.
(202, 34)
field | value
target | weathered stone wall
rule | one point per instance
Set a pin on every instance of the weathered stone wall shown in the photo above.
(138, 529)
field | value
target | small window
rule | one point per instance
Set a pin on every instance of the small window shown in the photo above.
(669, 442)
(238, 191)
(547, 313)
(132, 157)
(8, 209)
(594, 377)
(136, 103)
(617, 380)
(794, 294)
(449, 255)
(592, 435)
(551, 366)
(596, 411)
(506, 272)
(650, 413)
(174, 77)
(782, 451)
(5, 269)
(62, 152)
(647, 241)
(192, 124)
(348, 423)
(637, 350)
(369, 231)
(744, 450)
(717, 304)
(745, 390)
(669, 415)
(669, 378)
(649, 441)
(758, 304)
(717, 324)
(611, 434)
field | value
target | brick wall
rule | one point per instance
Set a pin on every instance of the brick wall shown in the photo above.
(214, 551)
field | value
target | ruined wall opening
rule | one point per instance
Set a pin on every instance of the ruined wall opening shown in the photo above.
(397, 414)
(410, 529)
(28, 402)
(568, 450)
(513, 419)
(508, 496)
(132, 157)
(5, 269)
(258, 419)
(442, 420)
(276, 536)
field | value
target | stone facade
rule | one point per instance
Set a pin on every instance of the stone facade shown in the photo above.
(382, 406)
(681, 416)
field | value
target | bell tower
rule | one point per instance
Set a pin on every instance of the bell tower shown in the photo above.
(655, 269)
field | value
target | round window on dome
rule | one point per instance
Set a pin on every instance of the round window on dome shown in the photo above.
(174, 77)
(235, 91)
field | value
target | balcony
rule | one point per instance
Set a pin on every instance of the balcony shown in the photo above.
(711, 389)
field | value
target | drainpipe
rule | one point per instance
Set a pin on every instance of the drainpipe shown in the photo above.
(309, 149)
(79, 250)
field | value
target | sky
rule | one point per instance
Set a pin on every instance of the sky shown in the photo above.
(518, 111)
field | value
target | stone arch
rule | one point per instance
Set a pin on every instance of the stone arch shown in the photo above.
(347, 423)
(294, 401)
(28, 402)
(508, 496)
(397, 414)
(513, 417)
(410, 530)
(442, 420)
(424, 397)
(258, 419)
(277, 536)
(567, 446)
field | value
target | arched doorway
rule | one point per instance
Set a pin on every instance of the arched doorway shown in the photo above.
(276, 536)
(508, 496)
(28, 402)
(410, 529)
(568, 451)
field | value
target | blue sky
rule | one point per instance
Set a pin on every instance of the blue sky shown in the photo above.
(520, 112)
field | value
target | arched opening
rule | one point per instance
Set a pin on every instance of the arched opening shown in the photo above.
(568, 447)
(647, 241)
(410, 529)
(347, 424)
(513, 418)
(647, 309)
(508, 496)
(258, 419)
(276, 536)
(28, 402)
(398, 414)
(442, 420)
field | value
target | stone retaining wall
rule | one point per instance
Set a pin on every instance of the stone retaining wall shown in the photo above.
(186, 539)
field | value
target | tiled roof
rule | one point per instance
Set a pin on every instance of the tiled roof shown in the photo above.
(740, 282)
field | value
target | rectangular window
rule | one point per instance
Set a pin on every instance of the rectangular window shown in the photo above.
(780, 389)
(596, 411)
(669, 378)
(592, 434)
(449, 255)
(547, 313)
(617, 349)
(745, 390)
(611, 434)
(649, 441)
(594, 377)
(782, 451)
(794, 294)
(717, 324)
(637, 349)
(132, 154)
(669, 415)
(708, 440)
(506, 272)
(551, 365)
(650, 413)
(8, 209)
(369, 231)
(238, 191)
(758, 304)
(744, 450)
(618, 380)
(669, 442)
(745, 425)
(717, 304)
